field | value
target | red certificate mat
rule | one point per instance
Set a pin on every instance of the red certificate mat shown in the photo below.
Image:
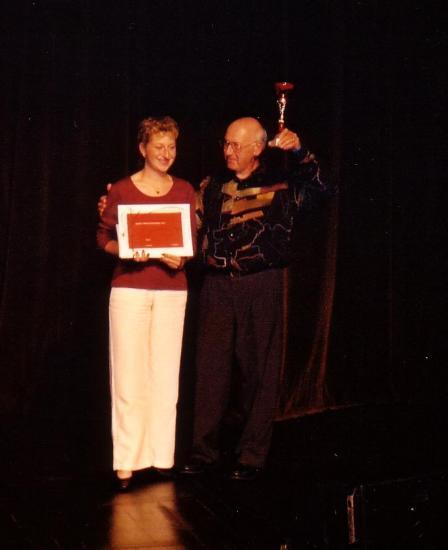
(155, 230)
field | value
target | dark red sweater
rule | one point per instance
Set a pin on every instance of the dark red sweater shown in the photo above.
(152, 275)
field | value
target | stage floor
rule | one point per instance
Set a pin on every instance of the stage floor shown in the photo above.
(373, 477)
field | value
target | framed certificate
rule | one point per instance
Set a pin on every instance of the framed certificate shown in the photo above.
(155, 228)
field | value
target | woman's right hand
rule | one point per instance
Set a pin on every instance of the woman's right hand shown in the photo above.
(173, 262)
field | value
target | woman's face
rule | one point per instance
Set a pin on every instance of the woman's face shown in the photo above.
(160, 151)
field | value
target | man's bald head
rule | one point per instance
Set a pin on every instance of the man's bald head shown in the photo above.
(244, 142)
(249, 127)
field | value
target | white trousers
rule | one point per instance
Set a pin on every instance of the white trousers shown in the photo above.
(146, 328)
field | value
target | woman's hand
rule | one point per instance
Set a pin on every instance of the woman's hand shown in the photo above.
(173, 262)
(141, 256)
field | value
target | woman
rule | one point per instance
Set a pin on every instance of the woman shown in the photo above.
(146, 314)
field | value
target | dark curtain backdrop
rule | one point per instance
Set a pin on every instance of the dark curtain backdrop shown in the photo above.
(367, 297)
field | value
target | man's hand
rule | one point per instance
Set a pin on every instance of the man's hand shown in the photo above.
(286, 140)
(102, 201)
(173, 262)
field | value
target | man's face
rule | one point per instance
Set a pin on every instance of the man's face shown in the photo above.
(241, 149)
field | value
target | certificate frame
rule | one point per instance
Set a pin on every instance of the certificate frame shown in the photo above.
(159, 211)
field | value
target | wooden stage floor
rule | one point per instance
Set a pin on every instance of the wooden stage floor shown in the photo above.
(371, 477)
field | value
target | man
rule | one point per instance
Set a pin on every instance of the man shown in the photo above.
(247, 219)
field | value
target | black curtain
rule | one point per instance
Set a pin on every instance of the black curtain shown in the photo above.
(367, 294)
(386, 337)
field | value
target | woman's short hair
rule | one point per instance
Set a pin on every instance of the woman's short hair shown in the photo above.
(154, 125)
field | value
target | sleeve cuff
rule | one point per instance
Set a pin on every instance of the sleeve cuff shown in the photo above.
(300, 153)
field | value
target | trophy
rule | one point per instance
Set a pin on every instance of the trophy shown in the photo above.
(282, 89)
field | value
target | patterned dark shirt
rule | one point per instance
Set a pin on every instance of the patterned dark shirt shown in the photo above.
(247, 224)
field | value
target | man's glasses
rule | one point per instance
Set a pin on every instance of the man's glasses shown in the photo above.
(236, 147)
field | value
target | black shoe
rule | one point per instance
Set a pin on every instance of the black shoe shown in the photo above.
(196, 467)
(164, 472)
(123, 484)
(245, 472)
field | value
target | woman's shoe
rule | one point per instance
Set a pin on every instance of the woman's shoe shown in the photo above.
(124, 479)
(123, 484)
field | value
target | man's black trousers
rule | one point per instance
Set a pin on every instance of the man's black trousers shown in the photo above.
(240, 320)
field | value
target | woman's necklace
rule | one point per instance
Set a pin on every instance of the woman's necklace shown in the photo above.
(158, 188)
